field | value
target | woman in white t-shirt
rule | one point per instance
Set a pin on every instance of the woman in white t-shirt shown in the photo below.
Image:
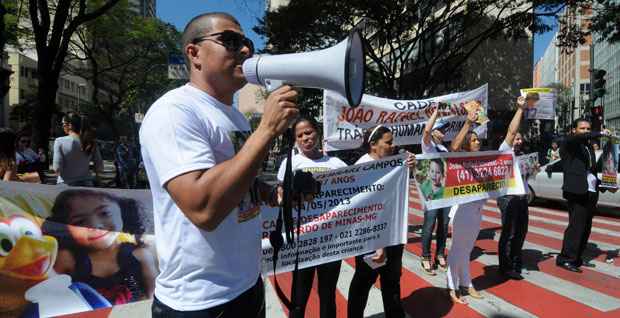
(466, 218)
(378, 141)
(311, 159)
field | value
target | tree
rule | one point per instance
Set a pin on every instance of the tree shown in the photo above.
(415, 48)
(128, 79)
(10, 31)
(53, 25)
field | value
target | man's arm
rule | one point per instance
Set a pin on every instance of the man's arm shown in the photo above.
(513, 128)
(206, 197)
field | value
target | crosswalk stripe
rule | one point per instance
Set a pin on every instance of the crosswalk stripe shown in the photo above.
(601, 267)
(273, 308)
(374, 306)
(552, 234)
(489, 306)
(574, 291)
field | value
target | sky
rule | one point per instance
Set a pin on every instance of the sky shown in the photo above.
(541, 41)
(248, 11)
(179, 12)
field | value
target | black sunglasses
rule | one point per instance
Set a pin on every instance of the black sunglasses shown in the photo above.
(231, 40)
(25, 141)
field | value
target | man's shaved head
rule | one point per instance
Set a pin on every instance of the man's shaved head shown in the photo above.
(201, 25)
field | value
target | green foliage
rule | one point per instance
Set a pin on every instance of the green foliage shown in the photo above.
(126, 57)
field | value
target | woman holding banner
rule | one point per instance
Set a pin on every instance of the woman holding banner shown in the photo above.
(387, 262)
(311, 159)
(513, 207)
(432, 142)
(468, 216)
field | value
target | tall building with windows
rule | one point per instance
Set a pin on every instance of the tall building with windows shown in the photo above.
(607, 57)
(548, 66)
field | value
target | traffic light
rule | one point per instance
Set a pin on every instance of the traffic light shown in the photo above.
(597, 111)
(598, 83)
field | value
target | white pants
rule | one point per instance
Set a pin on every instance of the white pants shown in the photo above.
(465, 229)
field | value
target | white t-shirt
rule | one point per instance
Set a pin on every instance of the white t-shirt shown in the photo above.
(364, 158)
(505, 147)
(432, 147)
(301, 162)
(591, 178)
(187, 130)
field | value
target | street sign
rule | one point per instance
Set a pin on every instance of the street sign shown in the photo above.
(176, 67)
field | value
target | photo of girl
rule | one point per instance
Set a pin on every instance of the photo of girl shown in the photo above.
(92, 249)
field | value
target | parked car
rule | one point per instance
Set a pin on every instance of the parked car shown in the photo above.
(547, 184)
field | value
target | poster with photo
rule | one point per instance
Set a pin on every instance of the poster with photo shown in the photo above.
(540, 103)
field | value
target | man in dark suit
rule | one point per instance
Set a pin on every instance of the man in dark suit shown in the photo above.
(580, 189)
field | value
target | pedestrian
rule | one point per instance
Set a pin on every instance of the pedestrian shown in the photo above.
(126, 163)
(27, 160)
(311, 159)
(580, 189)
(514, 210)
(202, 161)
(432, 142)
(8, 166)
(378, 143)
(468, 216)
(74, 152)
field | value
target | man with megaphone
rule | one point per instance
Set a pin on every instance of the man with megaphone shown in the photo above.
(202, 162)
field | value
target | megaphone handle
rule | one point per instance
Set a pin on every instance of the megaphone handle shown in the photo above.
(272, 85)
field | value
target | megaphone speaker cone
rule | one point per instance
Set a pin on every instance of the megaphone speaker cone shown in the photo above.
(339, 68)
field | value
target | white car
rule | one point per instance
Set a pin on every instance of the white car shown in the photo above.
(549, 185)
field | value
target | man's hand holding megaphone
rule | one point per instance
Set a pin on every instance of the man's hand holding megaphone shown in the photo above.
(280, 111)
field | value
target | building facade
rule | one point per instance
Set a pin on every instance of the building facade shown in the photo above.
(548, 65)
(607, 57)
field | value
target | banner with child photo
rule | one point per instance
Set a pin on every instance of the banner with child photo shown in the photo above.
(445, 179)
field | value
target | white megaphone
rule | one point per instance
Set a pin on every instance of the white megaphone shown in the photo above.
(339, 68)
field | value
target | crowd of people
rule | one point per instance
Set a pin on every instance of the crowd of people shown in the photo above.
(202, 161)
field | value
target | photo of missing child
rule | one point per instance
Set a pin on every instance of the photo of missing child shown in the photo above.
(431, 176)
(101, 243)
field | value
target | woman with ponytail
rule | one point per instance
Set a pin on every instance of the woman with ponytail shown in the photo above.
(74, 152)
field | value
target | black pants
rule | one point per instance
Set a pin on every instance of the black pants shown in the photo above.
(249, 304)
(441, 215)
(581, 208)
(328, 277)
(514, 228)
(365, 277)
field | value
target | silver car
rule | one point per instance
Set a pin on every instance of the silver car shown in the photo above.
(547, 184)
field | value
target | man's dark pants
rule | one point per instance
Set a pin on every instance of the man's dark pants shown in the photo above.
(514, 229)
(250, 304)
(581, 208)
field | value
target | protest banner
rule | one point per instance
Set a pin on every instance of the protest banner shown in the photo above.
(360, 208)
(528, 164)
(543, 105)
(611, 162)
(343, 126)
(446, 179)
(43, 228)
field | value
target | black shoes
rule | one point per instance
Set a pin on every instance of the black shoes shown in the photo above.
(511, 274)
(569, 267)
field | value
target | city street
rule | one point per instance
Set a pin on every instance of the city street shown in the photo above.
(546, 291)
